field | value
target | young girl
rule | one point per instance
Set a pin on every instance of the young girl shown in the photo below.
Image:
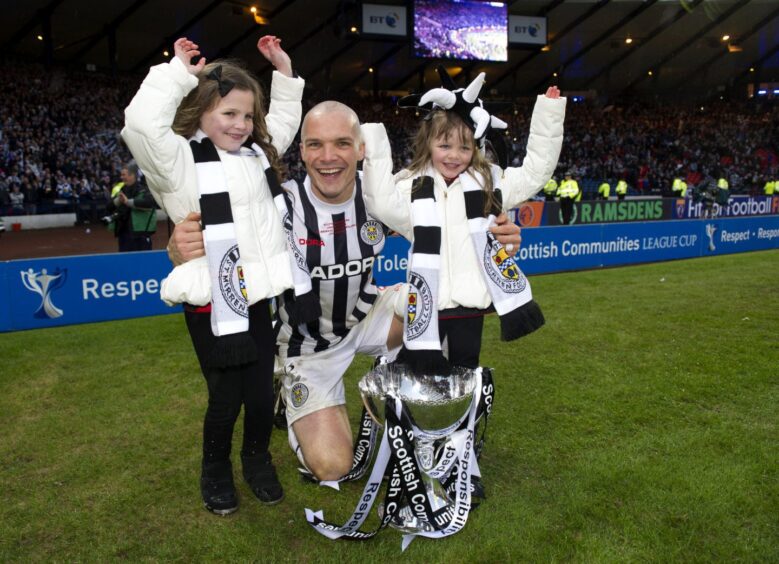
(201, 135)
(444, 203)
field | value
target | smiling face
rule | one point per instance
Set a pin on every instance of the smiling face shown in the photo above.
(330, 147)
(229, 123)
(451, 154)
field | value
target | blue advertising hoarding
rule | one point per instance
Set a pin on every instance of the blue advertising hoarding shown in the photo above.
(66, 290)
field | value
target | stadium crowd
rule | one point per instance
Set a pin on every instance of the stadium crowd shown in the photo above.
(60, 148)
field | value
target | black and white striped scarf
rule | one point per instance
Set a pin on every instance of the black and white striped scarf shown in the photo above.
(229, 304)
(508, 287)
(229, 297)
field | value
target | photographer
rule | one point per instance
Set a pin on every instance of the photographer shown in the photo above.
(131, 210)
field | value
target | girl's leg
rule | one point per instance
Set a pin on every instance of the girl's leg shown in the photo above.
(257, 395)
(224, 404)
(258, 383)
(463, 336)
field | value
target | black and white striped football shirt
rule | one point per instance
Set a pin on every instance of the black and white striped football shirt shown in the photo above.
(337, 244)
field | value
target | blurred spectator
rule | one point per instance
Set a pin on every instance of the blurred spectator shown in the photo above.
(17, 200)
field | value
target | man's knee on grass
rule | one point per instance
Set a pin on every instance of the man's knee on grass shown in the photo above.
(330, 464)
(325, 439)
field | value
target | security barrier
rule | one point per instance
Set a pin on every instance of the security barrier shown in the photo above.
(67, 290)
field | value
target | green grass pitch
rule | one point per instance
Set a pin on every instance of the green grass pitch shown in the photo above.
(640, 424)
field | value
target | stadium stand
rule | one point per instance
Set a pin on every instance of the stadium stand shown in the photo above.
(59, 140)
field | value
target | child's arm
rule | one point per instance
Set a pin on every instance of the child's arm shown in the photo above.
(160, 153)
(286, 92)
(543, 150)
(383, 199)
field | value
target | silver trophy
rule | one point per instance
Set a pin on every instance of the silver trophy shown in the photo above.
(438, 405)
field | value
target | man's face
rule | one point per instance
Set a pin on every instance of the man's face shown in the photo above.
(330, 150)
(127, 177)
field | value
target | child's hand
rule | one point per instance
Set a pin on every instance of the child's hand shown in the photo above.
(553, 92)
(270, 47)
(185, 50)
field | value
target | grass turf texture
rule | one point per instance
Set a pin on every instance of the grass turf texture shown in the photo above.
(639, 425)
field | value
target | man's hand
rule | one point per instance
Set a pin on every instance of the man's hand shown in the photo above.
(185, 50)
(186, 242)
(507, 234)
(553, 92)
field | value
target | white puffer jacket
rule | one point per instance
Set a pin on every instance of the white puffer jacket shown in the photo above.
(388, 199)
(167, 162)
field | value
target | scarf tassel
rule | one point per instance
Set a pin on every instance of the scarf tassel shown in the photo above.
(303, 309)
(233, 350)
(521, 321)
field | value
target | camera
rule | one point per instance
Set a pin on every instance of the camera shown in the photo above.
(109, 219)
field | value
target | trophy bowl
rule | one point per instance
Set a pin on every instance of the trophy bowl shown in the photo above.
(438, 404)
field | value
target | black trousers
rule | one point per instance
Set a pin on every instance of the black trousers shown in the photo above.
(249, 385)
(463, 335)
(566, 207)
(129, 242)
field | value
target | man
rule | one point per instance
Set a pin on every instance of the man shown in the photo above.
(335, 240)
(604, 190)
(568, 193)
(550, 190)
(132, 211)
(679, 187)
(621, 189)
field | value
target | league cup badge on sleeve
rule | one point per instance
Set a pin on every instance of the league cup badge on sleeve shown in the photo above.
(43, 284)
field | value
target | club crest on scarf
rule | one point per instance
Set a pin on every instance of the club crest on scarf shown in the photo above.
(232, 284)
(501, 267)
(371, 233)
(419, 308)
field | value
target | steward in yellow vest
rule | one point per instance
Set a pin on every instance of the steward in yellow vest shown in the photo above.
(604, 190)
(622, 189)
(679, 188)
(550, 189)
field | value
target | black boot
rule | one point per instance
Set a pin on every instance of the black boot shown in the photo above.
(217, 488)
(260, 474)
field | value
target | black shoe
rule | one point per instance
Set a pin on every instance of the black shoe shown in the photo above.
(260, 474)
(477, 492)
(217, 488)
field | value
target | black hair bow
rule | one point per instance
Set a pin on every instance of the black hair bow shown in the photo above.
(225, 85)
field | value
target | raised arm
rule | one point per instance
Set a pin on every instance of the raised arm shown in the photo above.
(383, 200)
(149, 117)
(286, 93)
(543, 151)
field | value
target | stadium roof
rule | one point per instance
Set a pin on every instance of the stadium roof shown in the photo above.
(677, 46)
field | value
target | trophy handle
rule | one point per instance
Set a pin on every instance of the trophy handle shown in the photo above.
(370, 407)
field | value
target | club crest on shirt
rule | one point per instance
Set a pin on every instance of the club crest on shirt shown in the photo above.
(232, 284)
(371, 232)
(501, 268)
(419, 306)
(300, 260)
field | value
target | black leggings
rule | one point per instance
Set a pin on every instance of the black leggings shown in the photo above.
(463, 336)
(250, 385)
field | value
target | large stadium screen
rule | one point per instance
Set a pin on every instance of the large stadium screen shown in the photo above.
(461, 29)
